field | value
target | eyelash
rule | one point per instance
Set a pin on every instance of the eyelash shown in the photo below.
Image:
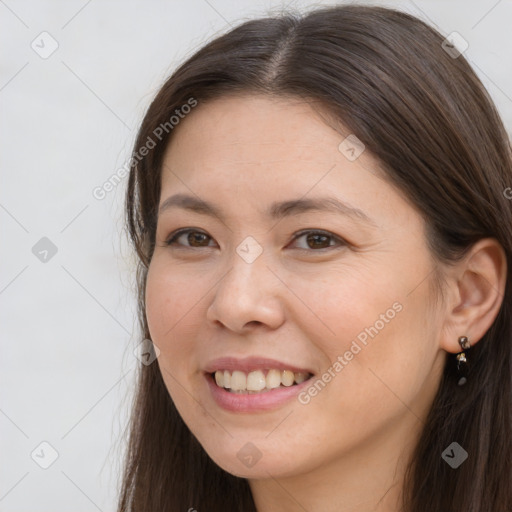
(173, 237)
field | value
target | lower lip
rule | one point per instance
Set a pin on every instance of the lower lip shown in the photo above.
(244, 402)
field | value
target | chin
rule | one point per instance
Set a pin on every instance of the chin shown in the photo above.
(252, 460)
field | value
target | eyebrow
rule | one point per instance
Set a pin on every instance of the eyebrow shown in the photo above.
(277, 210)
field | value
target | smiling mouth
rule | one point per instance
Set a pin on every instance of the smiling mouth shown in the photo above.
(258, 381)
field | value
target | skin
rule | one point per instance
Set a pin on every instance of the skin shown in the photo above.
(346, 449)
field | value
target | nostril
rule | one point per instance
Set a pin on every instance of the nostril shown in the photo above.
(253, 323)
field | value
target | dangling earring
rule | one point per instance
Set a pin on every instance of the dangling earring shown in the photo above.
(462, 364)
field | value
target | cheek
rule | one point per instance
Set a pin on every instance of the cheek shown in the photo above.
(384, 333)
(346, 304)
(173, 308)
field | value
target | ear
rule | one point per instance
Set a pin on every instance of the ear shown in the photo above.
(476, 288)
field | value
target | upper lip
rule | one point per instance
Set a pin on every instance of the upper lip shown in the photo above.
(249, 364)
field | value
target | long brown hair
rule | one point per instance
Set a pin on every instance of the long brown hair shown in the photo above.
(430, 122)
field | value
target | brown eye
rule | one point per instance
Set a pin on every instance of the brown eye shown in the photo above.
(319, 240)
(193, 238)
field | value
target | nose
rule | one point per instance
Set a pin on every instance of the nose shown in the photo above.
(248, 296)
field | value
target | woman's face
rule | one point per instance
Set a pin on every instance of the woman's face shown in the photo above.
(269, 291)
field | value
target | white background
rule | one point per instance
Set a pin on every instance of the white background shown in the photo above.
(67, 124)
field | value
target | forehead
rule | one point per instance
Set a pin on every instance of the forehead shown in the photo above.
(255, 119)
(265, 133)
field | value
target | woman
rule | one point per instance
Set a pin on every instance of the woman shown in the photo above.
(318, 207)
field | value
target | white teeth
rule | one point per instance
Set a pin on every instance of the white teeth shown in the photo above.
(219, 379)
(256, 381)
(287, 378)
(300, 377)
(273, 379)
(238, 381)
(227, 379)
